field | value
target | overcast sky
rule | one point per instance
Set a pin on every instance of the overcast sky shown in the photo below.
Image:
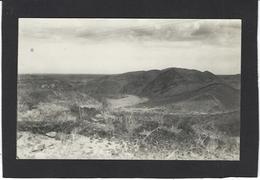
(109, 46)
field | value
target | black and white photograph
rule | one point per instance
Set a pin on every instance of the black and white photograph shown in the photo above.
(128, 89)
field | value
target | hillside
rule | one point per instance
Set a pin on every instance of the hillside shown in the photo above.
(180, 89)
(232, 80)
(126, 83)
(175, 81)
(172, 114)
(171, 86)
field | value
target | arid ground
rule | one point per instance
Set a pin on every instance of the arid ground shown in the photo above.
(170, 114)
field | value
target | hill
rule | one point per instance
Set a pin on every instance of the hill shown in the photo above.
(180, 89)
(172, 86)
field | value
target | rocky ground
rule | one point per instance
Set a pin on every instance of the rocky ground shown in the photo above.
(72, 146)
(62, 146)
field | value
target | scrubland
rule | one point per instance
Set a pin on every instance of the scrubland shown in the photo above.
(52, 124)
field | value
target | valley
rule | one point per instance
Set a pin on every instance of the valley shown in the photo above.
(169, 114)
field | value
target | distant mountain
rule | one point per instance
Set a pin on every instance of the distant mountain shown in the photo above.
(182, 88)
(173, 81)
(126, 83)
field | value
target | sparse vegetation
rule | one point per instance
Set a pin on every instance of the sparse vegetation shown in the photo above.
(60, 117)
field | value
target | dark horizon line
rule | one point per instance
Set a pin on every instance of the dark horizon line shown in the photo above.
(78, 74)
(123, 72)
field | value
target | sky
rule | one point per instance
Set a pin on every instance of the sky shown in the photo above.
(112, 46)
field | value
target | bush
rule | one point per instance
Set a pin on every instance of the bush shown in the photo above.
(43, 127)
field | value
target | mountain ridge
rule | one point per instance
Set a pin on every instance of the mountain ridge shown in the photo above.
(186, 89)
(171, 86)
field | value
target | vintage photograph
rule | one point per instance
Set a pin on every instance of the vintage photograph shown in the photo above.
(128, 89)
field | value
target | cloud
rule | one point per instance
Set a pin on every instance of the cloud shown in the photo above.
(223, 32)
(202, 31)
